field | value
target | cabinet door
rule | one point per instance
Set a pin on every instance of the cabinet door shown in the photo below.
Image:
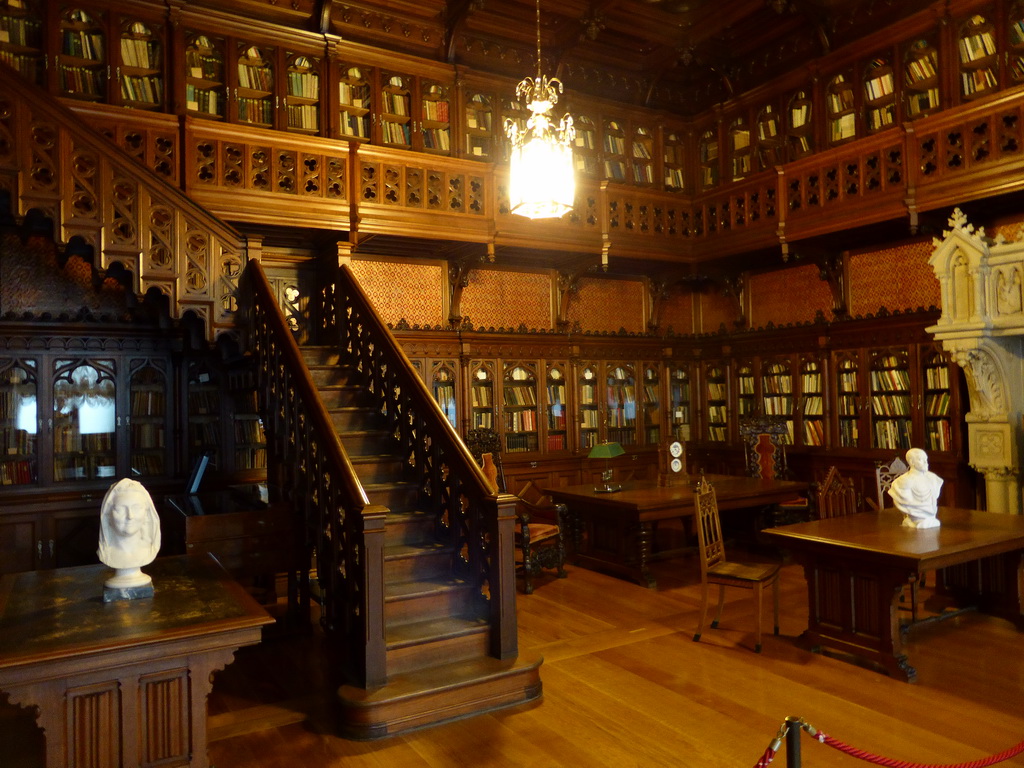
(84, 419)
(355, 101)
(812, 403)
(205, 76)
(435, 127)
(256, 94)
(613, 132)
(72, 536)
(939, 400)
(746, 389)
(149, 419)
(652, 404)
(879, 94)
(716, 402)
(777, 393)
(303, 76)
(979, 62)
(556, 408)
(82, 63)
(679, 401)
(519, 407)
(849, 399)
(589, 406)
(921, 95)
(478, 125)
(891, 400)
(141, 64)
(203, 404)
(442, 384)
(22, 46)
(481, 394)
(22, 543)
(395, 119)
(19, 421)
(622, 404)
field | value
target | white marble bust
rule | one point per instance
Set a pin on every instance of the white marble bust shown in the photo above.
(916, 492)
(129, 537)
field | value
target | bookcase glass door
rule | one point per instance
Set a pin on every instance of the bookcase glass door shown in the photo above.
(746, 404)
(141, 72)
(519, 394)
(708, 152)
(812, 403)
(21, 39)
(840, 102)
(479, 125)
(777, 394)
(590, 413)
(739, 149)
(679, 402)
(481, 394)
(84, 419)
(585, 154)
(799, 128)
(395, 118)
(442, 384)
(256, 96)
(205, 88)
(82, 64)
(938, 426)
(771, 151)
(147, 418)
(555, 406)
(921, 94)
(891, 418)
(674, 161)
(354, 103)
(1015, 43)
(436, 119)
(978, 57)
(614, 150)
(302, 95)
(879, 95)
(643, 156)
(204, 409)
(652, 404)
(19, 421)
(848, 400)
(621, 404)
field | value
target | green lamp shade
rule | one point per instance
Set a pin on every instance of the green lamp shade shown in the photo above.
(605, 451)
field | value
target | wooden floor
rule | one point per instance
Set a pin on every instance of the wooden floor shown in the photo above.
(625, 685)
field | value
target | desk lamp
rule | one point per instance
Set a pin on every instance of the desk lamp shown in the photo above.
(606, 451)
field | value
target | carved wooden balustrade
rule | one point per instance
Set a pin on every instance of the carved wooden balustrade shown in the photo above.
(478, 522)
(129, 214)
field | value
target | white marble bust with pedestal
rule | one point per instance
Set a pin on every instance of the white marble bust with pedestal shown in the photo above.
(916, 492)
(129, 539)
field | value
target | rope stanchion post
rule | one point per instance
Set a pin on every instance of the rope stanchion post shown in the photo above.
(793, 742)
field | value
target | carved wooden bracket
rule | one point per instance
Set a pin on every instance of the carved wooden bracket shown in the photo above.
(568, 288)
(735, 288)
(658, 291)
(458, 279)
(832, 269)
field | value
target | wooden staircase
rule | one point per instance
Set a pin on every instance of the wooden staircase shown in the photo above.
(436, 626)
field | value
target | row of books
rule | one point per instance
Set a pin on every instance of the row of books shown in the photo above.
(890, 405)
(148, 464)
(69, 440)
(249, 431)
(938, 436)
(305, 85)
(15, 441)
(82, 80)
(977, 46)
(436, 111)
(777, 385)
(937, 404)
(890, 379)
(20, 472)
(979, 80)
(437, 138)
(814, 405)
(395, 103)
(520, 395)
(256, 111)
(918, 103)
(20, 31)
(251, 458)
(140, 52)
(207, 101)
(29, 65)
(148, 435)
(83, 44)
(148, 402)
(255, 76)
(396, 133)
(879, 87)
(520, 443)
(146, 89)
(892, 434)
(881, 117)
(354, 95)
(204, 67)
(919, 69)
(483, 420)
(814, 432)
(355, 125)
(778, 405)
(305, 116)
(521, 421)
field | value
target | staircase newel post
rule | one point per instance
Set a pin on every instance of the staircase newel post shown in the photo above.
(373, 517)
(504, 635)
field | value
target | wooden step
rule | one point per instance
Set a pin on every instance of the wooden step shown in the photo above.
(320, 355)
(429, 642)
(343, 396)
(371, 442)
(380, 468)
(438, 695)
(354, 418)
(414, 601)
(398, 497)
(411, 528)
(410, 563)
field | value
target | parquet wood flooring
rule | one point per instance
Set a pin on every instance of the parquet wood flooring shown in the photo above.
(625, 685)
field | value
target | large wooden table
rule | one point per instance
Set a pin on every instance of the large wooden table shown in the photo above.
(857, 566)
(614, 531)
(122, 683)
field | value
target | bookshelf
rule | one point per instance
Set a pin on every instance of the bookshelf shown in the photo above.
(82, 62)
(481, 395)
(777, 394)
(84, 419)
(584, 152)
(674, 161)
(590, 414)
(879, 95)
(812, 400)
(255, 93)
(148, 385)
(512, 110)
(840, 110)
(203, 402)
(21, 39)
(746, 402)
(979, 65)
(614, 137)
(1015, 43)
(19, 421)
(771, 146)
(799, 128)
(921, 94)
(302, 94)
(141, 73)
(642, 146)
(621, 413)
(250, 442)
(354, 102)
(652, 404)
(479, 125)
(739, 149)
(848, 399)
(556, 407)
(442, 385)
(891, 417)
(938, 402)
(716, 397)
(519, 408)
(679, 402)
(436, 128)
(395, 116)
(205, 89)
(707, 151)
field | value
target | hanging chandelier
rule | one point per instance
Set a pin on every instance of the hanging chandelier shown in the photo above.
(542, 177)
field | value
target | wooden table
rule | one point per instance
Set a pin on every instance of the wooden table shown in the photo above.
(614, 531)
(857, 566)
(122, 683)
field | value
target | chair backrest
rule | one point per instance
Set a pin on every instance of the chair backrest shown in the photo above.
(764, 446)
(836, 496)
(709, 527)
(483, 440)
(885, 474)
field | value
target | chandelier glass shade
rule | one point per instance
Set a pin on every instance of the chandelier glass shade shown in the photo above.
(542, 182)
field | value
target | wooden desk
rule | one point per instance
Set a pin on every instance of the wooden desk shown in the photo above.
(613, 531)
(857, 566)
(122, 683)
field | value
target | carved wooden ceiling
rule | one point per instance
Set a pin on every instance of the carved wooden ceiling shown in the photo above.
(683, 56)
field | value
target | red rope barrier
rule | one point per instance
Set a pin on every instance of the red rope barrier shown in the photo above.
(861, 754)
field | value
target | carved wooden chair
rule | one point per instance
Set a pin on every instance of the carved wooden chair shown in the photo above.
(764, 451)
(540, 522)
(884, 475)
(835, 496)
(715, 568)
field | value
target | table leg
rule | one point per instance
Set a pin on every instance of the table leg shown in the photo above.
(644, 538)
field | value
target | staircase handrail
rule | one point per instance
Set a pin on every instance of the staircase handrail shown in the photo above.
(483, 527)
(307, 458)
